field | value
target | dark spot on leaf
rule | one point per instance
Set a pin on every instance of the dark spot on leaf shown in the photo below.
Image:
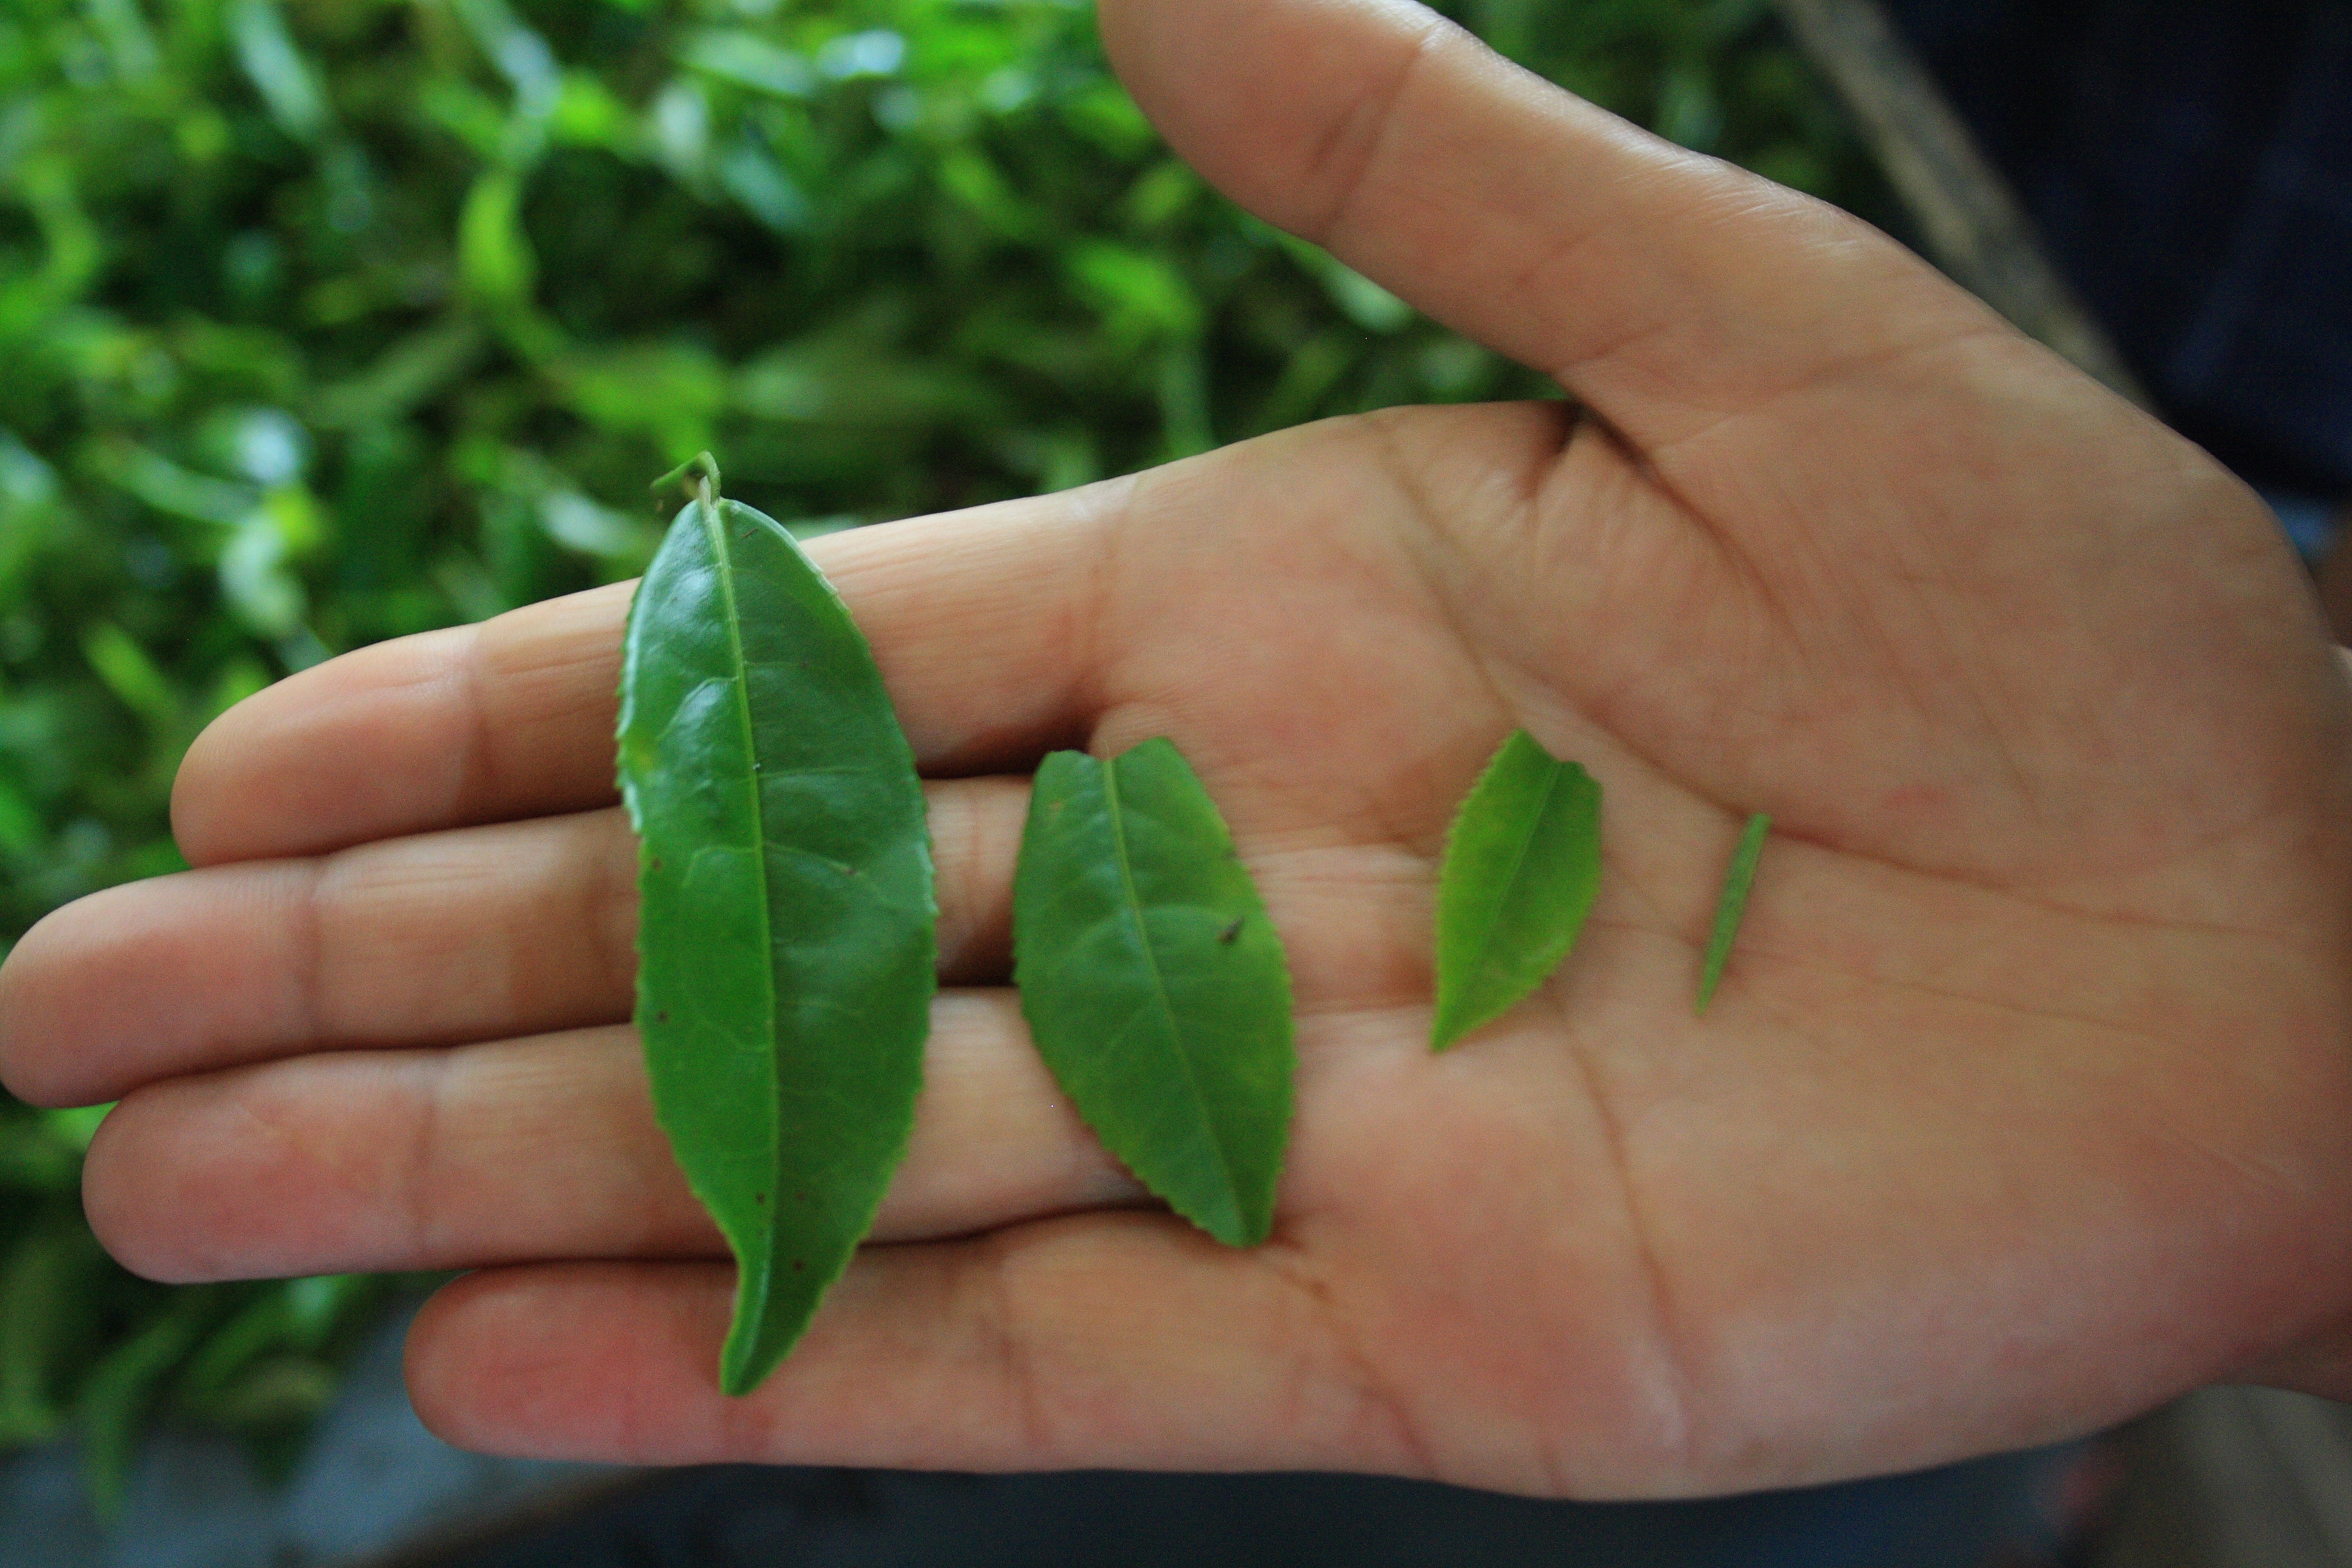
(662, 1017)
(758, 1197)
(1231, 931)
(654, 864)
(798, 1264)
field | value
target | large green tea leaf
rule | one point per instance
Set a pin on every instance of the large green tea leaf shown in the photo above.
(1154, 983)
(1734, 904)
(787, 935)
(1522, 864)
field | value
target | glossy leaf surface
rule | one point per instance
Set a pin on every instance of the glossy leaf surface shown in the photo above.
(1154, 983)
(1733, 905)
(1522, 865)
(786, 930)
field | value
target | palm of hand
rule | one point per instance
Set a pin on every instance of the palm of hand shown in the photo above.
(1948, 1126)
(2020, 1108)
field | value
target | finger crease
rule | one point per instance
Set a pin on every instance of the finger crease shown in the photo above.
(418, 1186)
(1015, 1361)
(1661, 1379)
(1375, 1401)
(1356, 137)
(475, 771)
(610, 898)
(309, 929)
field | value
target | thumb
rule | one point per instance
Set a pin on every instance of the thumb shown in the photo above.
(1665, 289)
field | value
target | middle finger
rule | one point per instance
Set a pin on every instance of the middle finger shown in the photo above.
(473, 934)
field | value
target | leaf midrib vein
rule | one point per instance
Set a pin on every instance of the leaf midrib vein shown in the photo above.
(1134, 904)
(715, 530)
(1556, 769)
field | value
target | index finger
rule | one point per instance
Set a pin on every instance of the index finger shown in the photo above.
(513, 717)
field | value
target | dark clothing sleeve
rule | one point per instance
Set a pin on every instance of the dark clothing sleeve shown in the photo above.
(2191, 165)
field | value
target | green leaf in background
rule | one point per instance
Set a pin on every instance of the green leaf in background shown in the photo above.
(749, 61)
(128, 673)
(786, 937)
(1734, 904)
(21, 831)
(1522, 864)
(42, 1285)
(41, 1151)
(1154, 983)
(494, 254)
(276, 69)
(126, 1385)
(264, 1366)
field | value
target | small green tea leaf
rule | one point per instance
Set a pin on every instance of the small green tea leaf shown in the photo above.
(1735, 904)
(1154, 983)
(1522, 865)
(785, 935)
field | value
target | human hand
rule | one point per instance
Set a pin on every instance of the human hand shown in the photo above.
(2026, 1102)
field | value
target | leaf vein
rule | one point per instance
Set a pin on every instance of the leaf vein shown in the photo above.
(1133, 905)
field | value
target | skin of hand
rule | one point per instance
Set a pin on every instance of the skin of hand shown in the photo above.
(2026, 1103)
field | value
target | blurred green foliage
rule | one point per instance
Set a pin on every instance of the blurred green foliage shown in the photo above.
(327, 320)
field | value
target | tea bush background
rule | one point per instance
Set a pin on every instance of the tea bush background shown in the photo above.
(323, 321)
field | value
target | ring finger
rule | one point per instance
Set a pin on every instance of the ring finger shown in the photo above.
(531, 1150)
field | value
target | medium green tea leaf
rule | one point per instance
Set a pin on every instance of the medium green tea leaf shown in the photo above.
(786, 936)
(1522, 864)
(1154, 983)
(1734, 905)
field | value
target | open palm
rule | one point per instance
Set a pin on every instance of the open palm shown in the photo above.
(2026, 1102)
